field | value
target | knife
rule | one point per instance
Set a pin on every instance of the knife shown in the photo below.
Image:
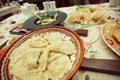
(101, 65)
(4, 44)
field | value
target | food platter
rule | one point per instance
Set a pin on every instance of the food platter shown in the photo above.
(30, 23)
(86, 16)
(107, 35)
(66, 35)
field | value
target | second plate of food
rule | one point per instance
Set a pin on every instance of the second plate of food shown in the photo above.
(111, 35)
(86, 16)
(45, 19)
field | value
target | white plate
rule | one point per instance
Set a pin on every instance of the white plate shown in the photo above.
(110, 14)
(106, 33)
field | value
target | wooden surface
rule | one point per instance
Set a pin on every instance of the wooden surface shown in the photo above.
(102, 65)
(82, 32)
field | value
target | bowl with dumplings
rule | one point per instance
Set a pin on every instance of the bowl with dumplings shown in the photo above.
(49, 53)
(111, 35)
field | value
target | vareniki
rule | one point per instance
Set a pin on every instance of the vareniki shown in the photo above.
(42, 57)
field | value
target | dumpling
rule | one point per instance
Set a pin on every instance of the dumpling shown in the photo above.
(31, 57)
(17, 54)
(43, 60)
(53, 56)
(57, 68)
(36, 74)
(38, 42)
(18, 70)
(53, 37)
(65, 47)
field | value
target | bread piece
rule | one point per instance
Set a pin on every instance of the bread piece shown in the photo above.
(116, 35)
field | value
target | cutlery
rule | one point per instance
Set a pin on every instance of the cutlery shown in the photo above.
(4, 44)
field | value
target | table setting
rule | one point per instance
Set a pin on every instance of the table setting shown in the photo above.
(84, 37)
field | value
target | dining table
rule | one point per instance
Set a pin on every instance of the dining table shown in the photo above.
(95, 47)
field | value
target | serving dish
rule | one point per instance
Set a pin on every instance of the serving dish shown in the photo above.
(86, 16)
(30, 23)
(107, 35)
(72, 36)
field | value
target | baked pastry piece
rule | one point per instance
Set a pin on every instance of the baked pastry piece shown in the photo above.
(116, 35)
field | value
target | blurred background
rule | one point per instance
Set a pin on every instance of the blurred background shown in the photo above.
(59, 3)
(5, 4)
